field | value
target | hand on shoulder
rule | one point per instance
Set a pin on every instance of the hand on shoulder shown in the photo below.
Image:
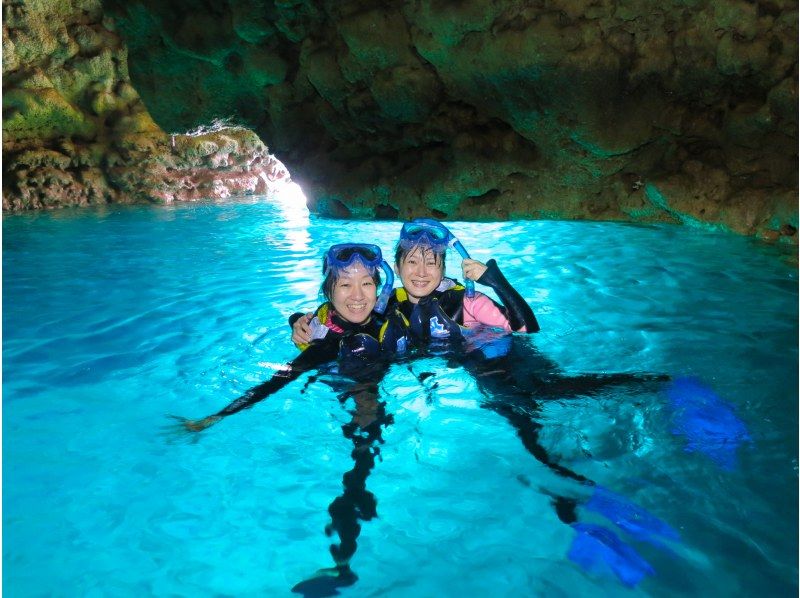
(301, 330)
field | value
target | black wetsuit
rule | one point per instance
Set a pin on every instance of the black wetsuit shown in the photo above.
(358, 351)
(361, 354)
(515, 380)
(355, 346)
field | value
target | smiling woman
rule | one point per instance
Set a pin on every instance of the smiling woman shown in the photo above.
(420, 262)
(421, 271)
(354, 295)
(348, 326)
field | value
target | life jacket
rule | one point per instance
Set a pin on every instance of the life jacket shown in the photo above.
(436, 321)
(361, 342)
(438, 316)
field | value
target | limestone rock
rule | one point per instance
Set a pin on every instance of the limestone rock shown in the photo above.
(75, 131)
(678, 111)
(503, 109)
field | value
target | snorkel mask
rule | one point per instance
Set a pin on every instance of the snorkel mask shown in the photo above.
(432, 233)
(344, 255)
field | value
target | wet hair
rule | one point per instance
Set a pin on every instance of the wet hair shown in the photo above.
(332, 277)
(401, 253)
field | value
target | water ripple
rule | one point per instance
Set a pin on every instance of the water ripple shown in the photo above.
(114, 319)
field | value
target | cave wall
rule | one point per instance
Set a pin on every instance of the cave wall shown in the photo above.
(684, 110)
(681, 111)
(76, 132)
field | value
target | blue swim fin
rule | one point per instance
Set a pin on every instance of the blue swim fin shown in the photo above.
(708, 423)
(599, 551)
(630, 517)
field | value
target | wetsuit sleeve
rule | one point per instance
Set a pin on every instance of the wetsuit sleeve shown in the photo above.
(480, 309)
(318, 353)
(520, 313)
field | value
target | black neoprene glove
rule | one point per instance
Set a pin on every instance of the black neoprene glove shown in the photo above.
(519, 312)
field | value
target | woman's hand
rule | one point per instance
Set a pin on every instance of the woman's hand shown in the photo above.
(196, 425)
(473, 269)
(301, 330)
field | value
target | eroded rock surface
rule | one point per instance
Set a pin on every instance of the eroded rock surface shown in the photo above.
(624, 109)
(75, 131)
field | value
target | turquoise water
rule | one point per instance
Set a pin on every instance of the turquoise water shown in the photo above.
(114, 319)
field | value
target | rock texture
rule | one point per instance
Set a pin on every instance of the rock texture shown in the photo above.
(683, 110)
(75, 131)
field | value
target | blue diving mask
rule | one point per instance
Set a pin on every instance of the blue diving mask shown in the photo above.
(344, 255)
(432, 233)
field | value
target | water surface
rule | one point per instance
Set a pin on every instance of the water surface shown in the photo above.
(115, 318)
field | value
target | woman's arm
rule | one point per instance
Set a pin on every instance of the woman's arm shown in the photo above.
(517, 312)
(314, 356)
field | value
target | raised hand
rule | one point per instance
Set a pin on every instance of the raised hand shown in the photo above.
(473, 269)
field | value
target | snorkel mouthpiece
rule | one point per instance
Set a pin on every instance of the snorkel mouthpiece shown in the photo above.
(386, 291)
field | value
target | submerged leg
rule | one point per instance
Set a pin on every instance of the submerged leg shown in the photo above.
(357, 503)
(528, 430)
(590, 384)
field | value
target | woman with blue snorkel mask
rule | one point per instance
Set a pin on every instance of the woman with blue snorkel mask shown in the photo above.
(517, 381)
(438, 307)
(348, 327)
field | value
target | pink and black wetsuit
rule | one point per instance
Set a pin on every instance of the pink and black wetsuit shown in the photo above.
(444, 312)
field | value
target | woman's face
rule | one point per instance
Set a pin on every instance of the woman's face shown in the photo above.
(421, 271)
(354, 294)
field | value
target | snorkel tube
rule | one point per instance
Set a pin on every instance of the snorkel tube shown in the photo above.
(456, 244)
(386, 291)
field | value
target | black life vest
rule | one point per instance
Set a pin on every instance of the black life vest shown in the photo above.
(363, 343)
(436, 322)
(436, 318)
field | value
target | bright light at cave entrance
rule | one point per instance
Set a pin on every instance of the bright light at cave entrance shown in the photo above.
(291, 200)
(290, 195)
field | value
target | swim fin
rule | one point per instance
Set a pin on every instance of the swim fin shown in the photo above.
(708, 423)
(325, 582)
(599, 551)
(630, 517)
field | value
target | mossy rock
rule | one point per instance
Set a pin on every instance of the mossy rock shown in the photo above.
(42, 114)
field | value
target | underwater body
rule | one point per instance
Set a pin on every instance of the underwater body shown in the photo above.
(114, 319)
